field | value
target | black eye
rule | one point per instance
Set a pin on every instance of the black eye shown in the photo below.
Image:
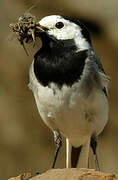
(59, 25)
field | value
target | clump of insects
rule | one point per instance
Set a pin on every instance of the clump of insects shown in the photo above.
(27, 28)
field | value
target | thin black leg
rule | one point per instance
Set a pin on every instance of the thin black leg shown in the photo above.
(93, 144)
(58, 142)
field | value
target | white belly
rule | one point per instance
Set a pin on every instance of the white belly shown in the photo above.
(69, 111)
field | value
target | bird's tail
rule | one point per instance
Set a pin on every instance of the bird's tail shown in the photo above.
(77, 156)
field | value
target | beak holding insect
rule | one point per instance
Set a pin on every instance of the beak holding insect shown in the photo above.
(40, 27)
(32, 34)
(27, 29)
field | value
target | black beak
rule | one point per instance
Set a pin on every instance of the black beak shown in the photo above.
(41, 28)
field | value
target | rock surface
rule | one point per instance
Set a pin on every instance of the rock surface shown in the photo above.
(69, 174)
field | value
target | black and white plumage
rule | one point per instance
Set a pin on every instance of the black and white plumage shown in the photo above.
(69, 85)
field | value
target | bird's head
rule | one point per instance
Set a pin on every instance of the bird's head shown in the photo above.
(67, 31)
(62, 28)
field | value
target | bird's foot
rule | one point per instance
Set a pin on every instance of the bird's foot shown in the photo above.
(58, 142)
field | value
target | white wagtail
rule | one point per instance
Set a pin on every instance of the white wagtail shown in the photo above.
(70, 87)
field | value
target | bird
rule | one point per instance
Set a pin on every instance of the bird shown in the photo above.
(70, 88)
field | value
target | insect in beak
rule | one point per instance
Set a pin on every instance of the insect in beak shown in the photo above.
(27, 29)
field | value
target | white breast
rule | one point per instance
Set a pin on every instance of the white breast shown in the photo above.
(69, 111)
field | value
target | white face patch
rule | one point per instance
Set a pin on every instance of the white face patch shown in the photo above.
(70, 30)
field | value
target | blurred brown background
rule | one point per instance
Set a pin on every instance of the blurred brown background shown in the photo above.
(26, 144)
